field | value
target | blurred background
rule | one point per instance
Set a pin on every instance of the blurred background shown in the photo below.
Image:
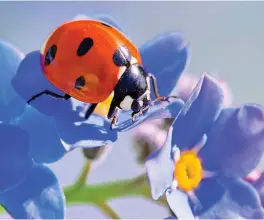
(226, 40)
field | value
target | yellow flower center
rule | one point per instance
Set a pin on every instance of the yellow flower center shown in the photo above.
(103, 107)
(188, 170)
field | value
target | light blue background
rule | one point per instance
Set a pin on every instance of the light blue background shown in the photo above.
(227, 41)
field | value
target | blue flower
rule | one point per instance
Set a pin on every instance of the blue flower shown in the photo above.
(208, 150)
(27, 189)
(68, 129)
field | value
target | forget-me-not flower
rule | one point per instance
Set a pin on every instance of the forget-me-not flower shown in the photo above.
(208, 150)
(145, 142)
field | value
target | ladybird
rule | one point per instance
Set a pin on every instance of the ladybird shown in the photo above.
(90, 61)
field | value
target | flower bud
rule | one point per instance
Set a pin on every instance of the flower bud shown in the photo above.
(150, 136)
(94, 153)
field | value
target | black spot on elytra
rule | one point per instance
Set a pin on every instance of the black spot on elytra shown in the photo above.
(122, 56)
(107, 25)
(79, 83)
(50, 55)
(85, 46)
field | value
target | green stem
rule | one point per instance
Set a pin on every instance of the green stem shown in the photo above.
(99, 194)
(84, 174)
(81, 181)
(108, 210)
(104, 192)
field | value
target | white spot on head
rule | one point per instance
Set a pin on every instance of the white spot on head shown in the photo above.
(140, 102)
(126, 103)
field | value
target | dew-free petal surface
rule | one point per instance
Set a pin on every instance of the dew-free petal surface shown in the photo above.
(166, 56)
(179, 204)
(187, 82)
(160, 168)
(259, 185)
(241, 200)
(30, 80)
(45, 144)
(11, 105)
(235, 144)
(246, 197)
(208, 193)
(198, 113)
(15, 162)
(39, 197)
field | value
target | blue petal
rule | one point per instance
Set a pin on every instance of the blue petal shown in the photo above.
(179, 204)
(246, 197)
(241, 200)
(76, 132)
(15, 162)
(209, 192)
(45, 144)
(107, 19)
(30, 80)
(160, 168)
(11, 105)
(198, 113)
(125, 123)
(259, 185)
(166, 56)
(235, 144)
(39, 197)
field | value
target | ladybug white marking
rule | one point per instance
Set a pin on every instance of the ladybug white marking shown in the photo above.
(126, 103)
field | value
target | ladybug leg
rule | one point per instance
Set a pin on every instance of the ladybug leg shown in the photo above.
(156, 92)
(111, 110)
(113, 113)
(134, 115)
(90, 110)
(140, 112)
(49, 93)
(114, 120)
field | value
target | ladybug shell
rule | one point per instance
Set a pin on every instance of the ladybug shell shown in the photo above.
(82, 52)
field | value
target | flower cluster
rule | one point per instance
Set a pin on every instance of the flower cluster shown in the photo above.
(206, 155)
(35, 135)
(198, 150)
